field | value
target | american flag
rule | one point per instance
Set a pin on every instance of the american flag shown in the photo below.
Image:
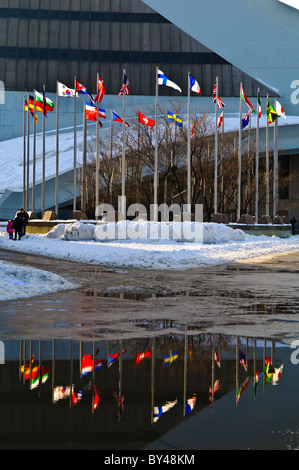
(125, 88)
(220, 102)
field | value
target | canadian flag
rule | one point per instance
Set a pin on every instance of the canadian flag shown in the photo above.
(146, 121)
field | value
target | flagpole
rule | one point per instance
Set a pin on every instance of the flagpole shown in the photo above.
(44, 162)
(156, 154)
(216, 151)
(240, 154)
(275, 175)
(24, 151)
(188, 152)
(75, 149)
(111, 153)
(57, 150)
(97, 152)
(257, 160)
(267, 163)
(27, 168)
(123, 165)
(34, 156)
(83, 172)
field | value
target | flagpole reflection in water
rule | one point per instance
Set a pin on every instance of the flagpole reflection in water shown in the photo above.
(175, 374)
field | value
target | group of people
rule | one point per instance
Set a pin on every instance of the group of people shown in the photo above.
(16, 228)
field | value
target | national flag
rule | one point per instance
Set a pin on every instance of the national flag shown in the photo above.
(164, 80)
(160, 410)
(43, 104)
(272, 115)
(101, 91)
(174, 118)
(242, 389)
(242, 359)
(146, 121)
(87, 364)
(95, 396)
(170, 358)
(220, 103)
(81, 89)
(114, 357)
(63, 90)
(220, 120)
(245, 120)
(277, 375)
(143, 355)
(217, 358)
(91, 112)
(39, 375)
(30, 108)
(279, 109)
(194, 124)
(117, 118)
(61, 392)
(190, 404)
(246, 100)
(194, 86)
(120, 400)
(76, 397)
(125, 88)
(259, 104)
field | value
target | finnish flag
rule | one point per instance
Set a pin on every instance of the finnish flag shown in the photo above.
(163, 80)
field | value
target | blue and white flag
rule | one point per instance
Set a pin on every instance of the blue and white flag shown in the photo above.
(163, 80)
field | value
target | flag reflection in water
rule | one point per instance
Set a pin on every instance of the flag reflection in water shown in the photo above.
(171, 385)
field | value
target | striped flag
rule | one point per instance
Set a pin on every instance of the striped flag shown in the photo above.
(125, 87)
(117, 118)
(246, 100)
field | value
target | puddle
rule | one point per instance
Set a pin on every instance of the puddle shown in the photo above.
(169, 392)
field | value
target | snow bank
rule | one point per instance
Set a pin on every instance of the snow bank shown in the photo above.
(21, 282)
(143, 230)
(154, 254)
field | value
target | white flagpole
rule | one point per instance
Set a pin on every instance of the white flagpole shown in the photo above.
(216, 151)
(240, 154)
(275, 175)
(34, 156)
(44, 163)
(57, 150)
(257, 162)
(188, 151)
(83, 173)
(75, 149)
(267, 164)
(156, 153)
(97, 152)
(123, 164)
(24, 152)
(27, 168)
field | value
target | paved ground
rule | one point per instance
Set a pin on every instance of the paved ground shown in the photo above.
(256, 299)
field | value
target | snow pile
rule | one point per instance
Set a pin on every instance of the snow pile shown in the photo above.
(142, 230)
(153, 254)
(19, 282)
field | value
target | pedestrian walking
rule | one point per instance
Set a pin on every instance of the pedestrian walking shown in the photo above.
(25, 218)
(17, 225)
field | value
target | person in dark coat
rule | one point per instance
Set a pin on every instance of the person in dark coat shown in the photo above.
(293, 222)
(17, 225)
(24, 217)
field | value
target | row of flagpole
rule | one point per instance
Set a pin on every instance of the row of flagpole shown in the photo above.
(161, 79)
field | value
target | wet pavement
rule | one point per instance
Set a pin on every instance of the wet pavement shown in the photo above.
(239, 298)
(85, 389)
